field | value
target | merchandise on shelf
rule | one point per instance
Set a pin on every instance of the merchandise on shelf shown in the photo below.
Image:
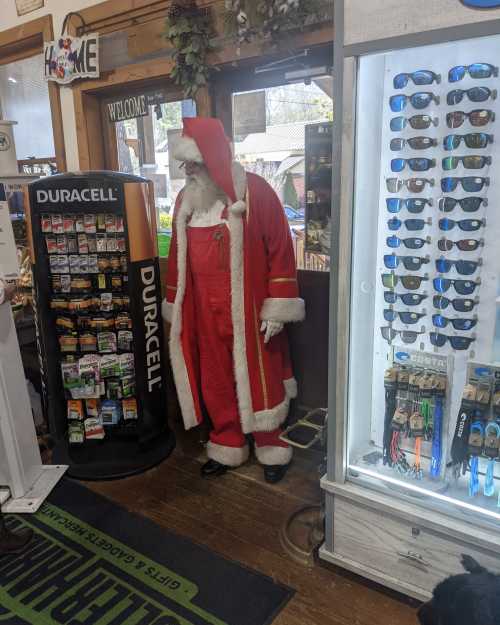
(102, 362)
(425, 273)
(318, 183)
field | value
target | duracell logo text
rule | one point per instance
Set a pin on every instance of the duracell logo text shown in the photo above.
(151, 313)
(75, 195)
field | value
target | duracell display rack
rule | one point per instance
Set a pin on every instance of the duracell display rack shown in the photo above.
(99, 324)
(318, 182)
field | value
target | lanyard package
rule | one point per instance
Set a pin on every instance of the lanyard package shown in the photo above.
(390, 385)
(462, 428)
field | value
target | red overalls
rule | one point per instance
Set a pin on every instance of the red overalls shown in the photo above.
(208, 257)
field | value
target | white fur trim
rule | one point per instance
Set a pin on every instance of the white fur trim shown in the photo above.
(239, 180)
(273, 454)
(241, 375)
(270, 419)
(283, 309)
(179, 369)
(230, 456)
(167, 310)
(185, 149)
(290, 387)
(238, 208)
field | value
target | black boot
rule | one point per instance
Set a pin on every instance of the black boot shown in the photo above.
(274, 473)
(212, 468)
(13, 542)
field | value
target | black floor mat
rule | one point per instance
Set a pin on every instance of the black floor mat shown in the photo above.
(92, 562)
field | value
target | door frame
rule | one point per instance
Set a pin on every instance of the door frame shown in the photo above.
(96, 138)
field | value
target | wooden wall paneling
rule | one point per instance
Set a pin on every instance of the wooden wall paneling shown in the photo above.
(24, 34)
(110, 145)
(91, 150)
(147, 38)
(222, 98)
(203, 102)
(57, 127)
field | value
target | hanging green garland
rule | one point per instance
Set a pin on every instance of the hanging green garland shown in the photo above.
(270, 19)
(189, 30)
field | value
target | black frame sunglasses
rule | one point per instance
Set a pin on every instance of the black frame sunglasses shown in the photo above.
(469, 204)
(477, 118)
(474, 94)
(464, 245)
(459, 343)
(408, 299)
(406, 316)
(459, 304)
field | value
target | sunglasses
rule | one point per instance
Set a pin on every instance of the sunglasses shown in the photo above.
(410, 263)
(464, 245)
(460, 305)
(420, 77)
(410, 224)
(412, 283)
(415, 185)
(472, 161)
(458, 324)
(416, 143)
(462, 287)
(407, 336)
(406, 317)
(408, 299)
(457, 342)
(467, 225)
(476, 70)
(463, 267)
(415, 164)
(412, 205)
(477, 117)
(472, 140)
(468, 204)
(418, 100)
(417, 122)
(471, 184)
(475, 94)
(412, 243)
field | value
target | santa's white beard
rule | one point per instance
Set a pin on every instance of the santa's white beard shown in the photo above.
(201, 192)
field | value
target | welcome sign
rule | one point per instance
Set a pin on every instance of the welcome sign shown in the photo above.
(69, 58)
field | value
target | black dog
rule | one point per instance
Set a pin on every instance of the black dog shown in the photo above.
(471, 598)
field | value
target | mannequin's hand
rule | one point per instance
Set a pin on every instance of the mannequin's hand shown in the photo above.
(270, 328)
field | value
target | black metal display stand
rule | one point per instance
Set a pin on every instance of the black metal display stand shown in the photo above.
(99, 326)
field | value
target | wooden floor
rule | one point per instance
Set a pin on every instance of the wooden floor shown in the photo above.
(240, 516)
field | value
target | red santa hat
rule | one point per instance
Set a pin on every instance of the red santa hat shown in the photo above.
(204, 141)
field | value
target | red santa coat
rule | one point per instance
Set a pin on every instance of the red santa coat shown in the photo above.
(263, 286)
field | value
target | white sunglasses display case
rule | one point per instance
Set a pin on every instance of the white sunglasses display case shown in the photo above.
(406, 524)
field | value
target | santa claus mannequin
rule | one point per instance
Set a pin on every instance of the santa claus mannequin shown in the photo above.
(231, 287)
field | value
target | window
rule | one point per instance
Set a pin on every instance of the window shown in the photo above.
(24, 98)
(270, 127)
(143, 146)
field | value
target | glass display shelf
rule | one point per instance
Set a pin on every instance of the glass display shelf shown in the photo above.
(424, 354)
